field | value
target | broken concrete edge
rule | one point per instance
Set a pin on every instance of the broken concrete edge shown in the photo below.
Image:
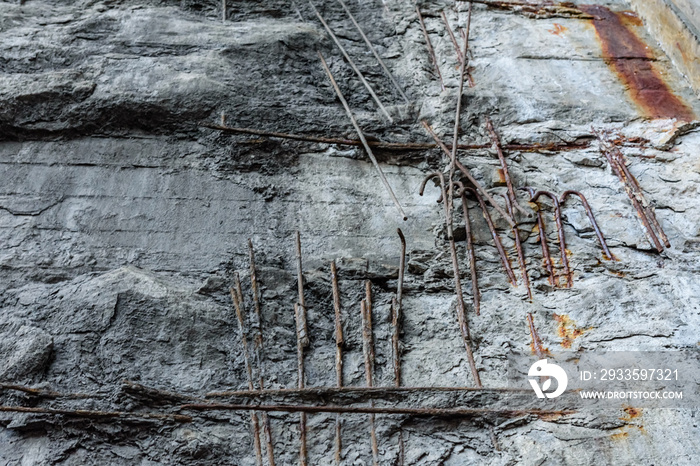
(677, 29)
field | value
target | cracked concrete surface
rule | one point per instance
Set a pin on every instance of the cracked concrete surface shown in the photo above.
(123, 220)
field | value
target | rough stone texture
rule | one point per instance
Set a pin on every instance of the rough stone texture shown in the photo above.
(122, 221)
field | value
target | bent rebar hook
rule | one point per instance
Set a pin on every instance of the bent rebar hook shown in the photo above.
(601, 239)
(548, 264)
(560, 232)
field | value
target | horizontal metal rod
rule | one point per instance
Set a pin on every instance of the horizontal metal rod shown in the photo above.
(82, 413)
(389, 145)
(373, 410)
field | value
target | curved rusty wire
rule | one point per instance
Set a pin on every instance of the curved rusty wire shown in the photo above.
(518, 247)
(548, 263)
(560, 232)
(601, 239)
(496, 239)
(461, 313)
(470, 247)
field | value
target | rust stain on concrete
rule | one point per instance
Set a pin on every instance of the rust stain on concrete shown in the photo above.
(568, 331)
(557, 29)
(631, 60)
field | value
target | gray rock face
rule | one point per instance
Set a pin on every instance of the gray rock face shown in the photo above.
(124, 218)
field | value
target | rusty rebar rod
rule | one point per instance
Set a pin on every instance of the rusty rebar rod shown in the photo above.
(468, 174)
(546, 257)
(361, 136)
(83, 413)
(519, 248)
(237, 297)
(648, 208)
(618, 167)
(259, 350)
(352, 63)
(223, 11)
(431, 52)
(496, 238)
(302, 342)
(455, 137)
(392, 146)
(601, 239)
(537, 345)
(338, 354)
(368, 353)
(560, 233)
(396, 312)
(476, 295)
(448, 412)
(496, 141)
(461, 312)
(460, 57)
(374, 52)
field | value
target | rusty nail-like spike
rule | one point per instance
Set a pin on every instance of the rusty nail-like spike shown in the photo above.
(548, 263)
(361, 135)
(537, 345)
(460, 57)
(351, 63)
(519, 249)
(368, 353)
(237, 304)
(431, 52)
(338, 354)
(496, 239)
(259, 350)
(608, 255)
(560, 232)
(466, 173)
(461, 312)
(470, 248)
(374, 51)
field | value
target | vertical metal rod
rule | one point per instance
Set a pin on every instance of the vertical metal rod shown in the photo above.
(300, 378)
(519, 249)
(431, 52)
(648, 209)
(601, 239)
(259, 350)
(374, 51)
(537, 345)
(396, 313)
(302, 342)
(560, 232)
(547, 258)
(352, 64)
(237, 304)
(368, 352)
(460, 57)
(495, 140)
(461, 313)
(338, 354)
(361, 136)
(476, 295)
(466, 173)
(496, 239)
(223, 11)
(455, 137)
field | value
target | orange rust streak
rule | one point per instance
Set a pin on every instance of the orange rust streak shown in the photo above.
(568, 331)
(557, 29)
(631, 60)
